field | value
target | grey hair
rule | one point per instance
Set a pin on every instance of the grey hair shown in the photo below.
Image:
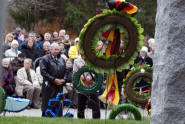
(31, 33)
(28, 60)
(6, 60)
(52, 45)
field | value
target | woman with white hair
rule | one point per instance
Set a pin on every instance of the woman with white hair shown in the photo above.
(151, 43)
(13, 51)
(7, 83)
(143, 58)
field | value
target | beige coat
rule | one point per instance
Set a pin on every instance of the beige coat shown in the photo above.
(22, 80)
(39, 76)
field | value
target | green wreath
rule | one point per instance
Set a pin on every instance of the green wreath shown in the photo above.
(125, 108)
(134, 77)
(2, 100)
(108, 20)
(77, 82)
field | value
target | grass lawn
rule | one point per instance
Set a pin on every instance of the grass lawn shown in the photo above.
(38, 120)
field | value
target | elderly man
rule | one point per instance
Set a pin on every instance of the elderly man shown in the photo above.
(53, 70)
(27, 82)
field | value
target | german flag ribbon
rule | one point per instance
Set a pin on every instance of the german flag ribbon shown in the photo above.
(111, 93)
(122, 5)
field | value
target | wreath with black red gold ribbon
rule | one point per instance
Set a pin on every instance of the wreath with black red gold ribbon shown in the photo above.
(83, 85)
(134, 92)
(92, 31)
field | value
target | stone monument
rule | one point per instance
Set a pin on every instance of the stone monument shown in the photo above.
(168, 89)
(2, 26)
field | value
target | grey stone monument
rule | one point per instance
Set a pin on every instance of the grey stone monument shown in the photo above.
(168, 89)
(2, 26)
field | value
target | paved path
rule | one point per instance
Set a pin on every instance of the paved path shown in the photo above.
(88, 113)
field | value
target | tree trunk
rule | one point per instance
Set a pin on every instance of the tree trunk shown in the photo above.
(168, 89)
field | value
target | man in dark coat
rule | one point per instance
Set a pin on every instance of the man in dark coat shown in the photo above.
(53, 70)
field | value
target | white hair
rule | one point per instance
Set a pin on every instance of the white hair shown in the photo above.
(62, 30)
(53, 45)
(151, 41)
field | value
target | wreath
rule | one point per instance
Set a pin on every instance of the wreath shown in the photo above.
(92, 31)
(125, 108)
(2, 100)
(137, 84)
(83, 85)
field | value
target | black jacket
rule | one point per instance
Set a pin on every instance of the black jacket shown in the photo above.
(147, 60)
(50, 70)
(15, 65)
(69, 74)
(30, 53)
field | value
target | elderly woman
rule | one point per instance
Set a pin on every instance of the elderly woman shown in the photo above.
(45, 50)
(13, 51)
(151, 43)
(143, 58)
(7, 78)
(30, 50)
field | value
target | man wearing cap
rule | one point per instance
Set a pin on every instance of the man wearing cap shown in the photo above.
(143, 58)
(16, 36)
(73, 51)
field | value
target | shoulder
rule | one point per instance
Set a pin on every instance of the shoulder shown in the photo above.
(72, 48)
(47, 56)
(32, 71)
(7, 51)
(149, 58)
(21, 70)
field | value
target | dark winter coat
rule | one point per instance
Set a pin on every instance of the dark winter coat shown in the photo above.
(31, 53)
(50, 70)
(147, 60)
(15, 65)
(8, 81)
(69, 74)
(43, 53)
